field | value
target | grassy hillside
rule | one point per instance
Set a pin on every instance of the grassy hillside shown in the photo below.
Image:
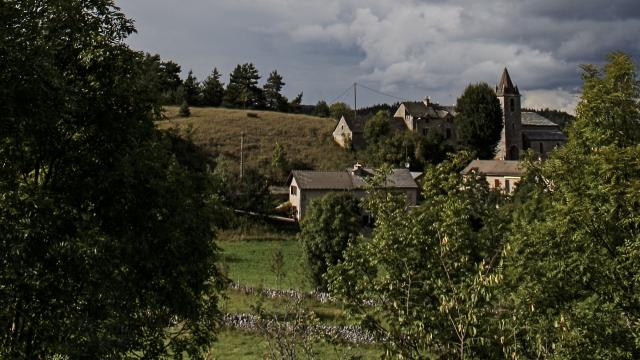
(306, 139)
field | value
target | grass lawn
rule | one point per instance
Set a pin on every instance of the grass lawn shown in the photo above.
(306, 139)
(236, 345)
(249, 263)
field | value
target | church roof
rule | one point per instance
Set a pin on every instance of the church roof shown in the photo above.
(494, 167)
(505, 86)
(535, 119)
(544, 135)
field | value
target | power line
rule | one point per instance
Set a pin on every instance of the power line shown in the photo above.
(341, 95)
(381, 93)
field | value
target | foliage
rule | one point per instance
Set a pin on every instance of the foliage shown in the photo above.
(479, 120)
(212, 89)
(574, 275)
(322, 109)
(340, 109)
(254, 193)
(330, 225)
(377, 127)
(184, 111)
(429, 275)
(279, 163)
(192, 90)
(275, 101)
(296, 104)
(242, 90)
(106, 238)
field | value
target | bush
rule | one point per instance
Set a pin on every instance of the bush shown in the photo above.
(330, 226)
(184, 110)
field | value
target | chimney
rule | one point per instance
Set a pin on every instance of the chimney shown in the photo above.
(427, 100)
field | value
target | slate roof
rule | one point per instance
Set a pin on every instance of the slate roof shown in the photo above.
(356, 126)
(420, 109)
(494, 167)
(535, 119)
(348, 179)
(505, 86)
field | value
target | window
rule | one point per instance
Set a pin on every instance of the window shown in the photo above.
(541, 148)
(425, 131)
(512, 105)
(496, 183)
(448, 133)
(507, 185)
(294, 190)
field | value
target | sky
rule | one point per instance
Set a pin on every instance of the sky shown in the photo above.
(408, 49)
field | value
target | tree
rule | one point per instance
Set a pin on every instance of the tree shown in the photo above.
(212, 89)
(274, 99)
(479, 120)
(106, 237)
(322, 109)
(192, 90)
(296, 104)
(340, 109)
(329, 227)
(428, 276)
(574, 274)
(184, 109)
(242, 90)
(377, 127)
(279, 162)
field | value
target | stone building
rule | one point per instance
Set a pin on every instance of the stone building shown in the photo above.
(349, 133)
(523, 130)
(423, 117)
(304, 186)
(500, 174)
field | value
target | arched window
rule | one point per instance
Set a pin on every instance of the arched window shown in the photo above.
(541, 148)
(512, 105)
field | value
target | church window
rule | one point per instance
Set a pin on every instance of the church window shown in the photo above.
(512, 105)
(448, 133)
(425, 131)
(541, 148)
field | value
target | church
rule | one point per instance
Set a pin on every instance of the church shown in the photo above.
(522, 130)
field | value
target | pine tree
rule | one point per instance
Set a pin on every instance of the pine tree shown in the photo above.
(184, 109)
(192, 91)
(212, 89)
(274, 99)
(242, 90)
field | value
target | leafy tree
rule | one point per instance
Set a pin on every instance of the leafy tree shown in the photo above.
(192, 90)
(330, 225)
(279, 163)
(242, 90)
(432, 149)
(274, 99)
(212, 89)
(574, 273)
(377, 127)
(322, 109)
(184, 109)
(479, 120)
(428, 276)
(254, 194)
(106, 238)
(296, 104)
(340, 109)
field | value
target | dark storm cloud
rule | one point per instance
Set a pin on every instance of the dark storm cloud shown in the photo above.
(410, 48)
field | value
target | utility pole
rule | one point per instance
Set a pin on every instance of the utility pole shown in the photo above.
(241, 155)
(355, 101)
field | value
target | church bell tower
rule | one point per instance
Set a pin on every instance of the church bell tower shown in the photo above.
(510, 145)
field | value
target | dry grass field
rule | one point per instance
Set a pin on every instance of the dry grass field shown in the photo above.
(306, 139)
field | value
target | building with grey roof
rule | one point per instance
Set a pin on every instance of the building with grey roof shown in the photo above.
(500, 174)
(306, 185)
(349, 133)
(423, 117)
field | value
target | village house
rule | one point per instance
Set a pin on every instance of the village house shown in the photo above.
(424, 117)
(349, 133)
(304, 186)
(500, 174)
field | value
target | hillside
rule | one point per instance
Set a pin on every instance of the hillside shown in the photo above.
(306, 139)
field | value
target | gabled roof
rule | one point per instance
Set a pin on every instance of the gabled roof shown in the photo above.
(534, 119)
(505, 86)
(356, 126)
(421, 109)
(494, 167)
(348, 179)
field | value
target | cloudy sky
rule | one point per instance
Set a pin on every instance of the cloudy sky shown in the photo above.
(406, 48)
